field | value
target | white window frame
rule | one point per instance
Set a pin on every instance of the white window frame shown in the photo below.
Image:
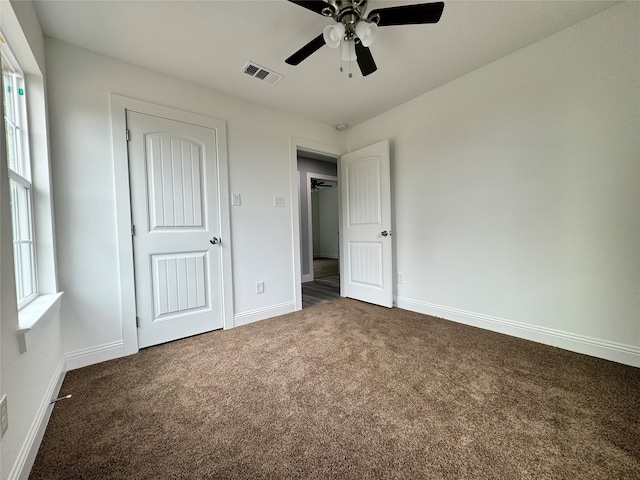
(25, 262)
(46, 305)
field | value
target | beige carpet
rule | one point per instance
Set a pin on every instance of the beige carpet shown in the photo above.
(346, 390)
(324, 267)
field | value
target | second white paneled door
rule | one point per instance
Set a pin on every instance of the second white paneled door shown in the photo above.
(176, 214)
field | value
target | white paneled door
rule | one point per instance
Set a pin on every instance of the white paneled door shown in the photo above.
(367, 266)
(176, 239)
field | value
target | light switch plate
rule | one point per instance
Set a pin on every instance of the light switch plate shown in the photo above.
(278, 201)
(235, 199)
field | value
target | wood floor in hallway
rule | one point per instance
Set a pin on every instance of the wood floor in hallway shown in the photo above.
(321, 290)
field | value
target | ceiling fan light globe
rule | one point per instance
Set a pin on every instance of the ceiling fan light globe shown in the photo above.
(366, 32)
(348, 51)
(333, 34)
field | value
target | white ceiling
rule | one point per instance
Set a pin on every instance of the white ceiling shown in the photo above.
(209, 41)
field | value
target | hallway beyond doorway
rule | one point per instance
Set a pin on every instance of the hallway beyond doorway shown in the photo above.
(321, 290)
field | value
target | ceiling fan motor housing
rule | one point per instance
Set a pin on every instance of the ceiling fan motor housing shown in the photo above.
(350, 14)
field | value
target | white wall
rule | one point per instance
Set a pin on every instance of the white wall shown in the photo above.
(80, 83)
(516, 191)
(31, 378)
(315, 222)
(325, 209)
(328, 208)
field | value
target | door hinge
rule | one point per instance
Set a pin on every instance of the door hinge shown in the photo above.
(127, 134)
(133, 230)
(137, 322)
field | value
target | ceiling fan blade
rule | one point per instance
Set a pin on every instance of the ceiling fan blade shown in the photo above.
(307, 50)
(409, 14)
(365, 59)
(314, 5)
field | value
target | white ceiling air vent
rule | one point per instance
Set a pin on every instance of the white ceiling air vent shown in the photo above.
(261, 73)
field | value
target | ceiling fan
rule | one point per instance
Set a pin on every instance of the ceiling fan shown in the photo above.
(316, 184)
(354, 32)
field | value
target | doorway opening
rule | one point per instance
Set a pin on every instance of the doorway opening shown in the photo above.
(319, 223)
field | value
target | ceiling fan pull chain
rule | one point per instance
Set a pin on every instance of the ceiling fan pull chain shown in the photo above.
(342, 60)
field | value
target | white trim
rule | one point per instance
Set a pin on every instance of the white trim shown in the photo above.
(596, 347)
(41, 179)
(28, 451)
(40, 309)
(266, 312)
(123, 220)
(296, 144)
(119, 107)
(39, 148)
(22, 175)
(92, 355)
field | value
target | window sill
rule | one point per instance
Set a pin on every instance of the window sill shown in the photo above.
(42, 308)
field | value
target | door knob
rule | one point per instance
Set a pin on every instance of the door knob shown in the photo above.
(384, 233)
(214, 240)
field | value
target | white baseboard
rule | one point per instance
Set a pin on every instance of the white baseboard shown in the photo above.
(307, 277)
(263, 313)
(29, 450)
(92, 355)
(616, 352)
(333, 256)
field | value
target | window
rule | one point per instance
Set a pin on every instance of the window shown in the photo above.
(19, 162)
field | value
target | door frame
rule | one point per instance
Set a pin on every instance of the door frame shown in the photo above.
(319, 176)
(296, 144)
(119, 106)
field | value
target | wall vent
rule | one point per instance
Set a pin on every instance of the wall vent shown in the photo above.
(261, 73)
